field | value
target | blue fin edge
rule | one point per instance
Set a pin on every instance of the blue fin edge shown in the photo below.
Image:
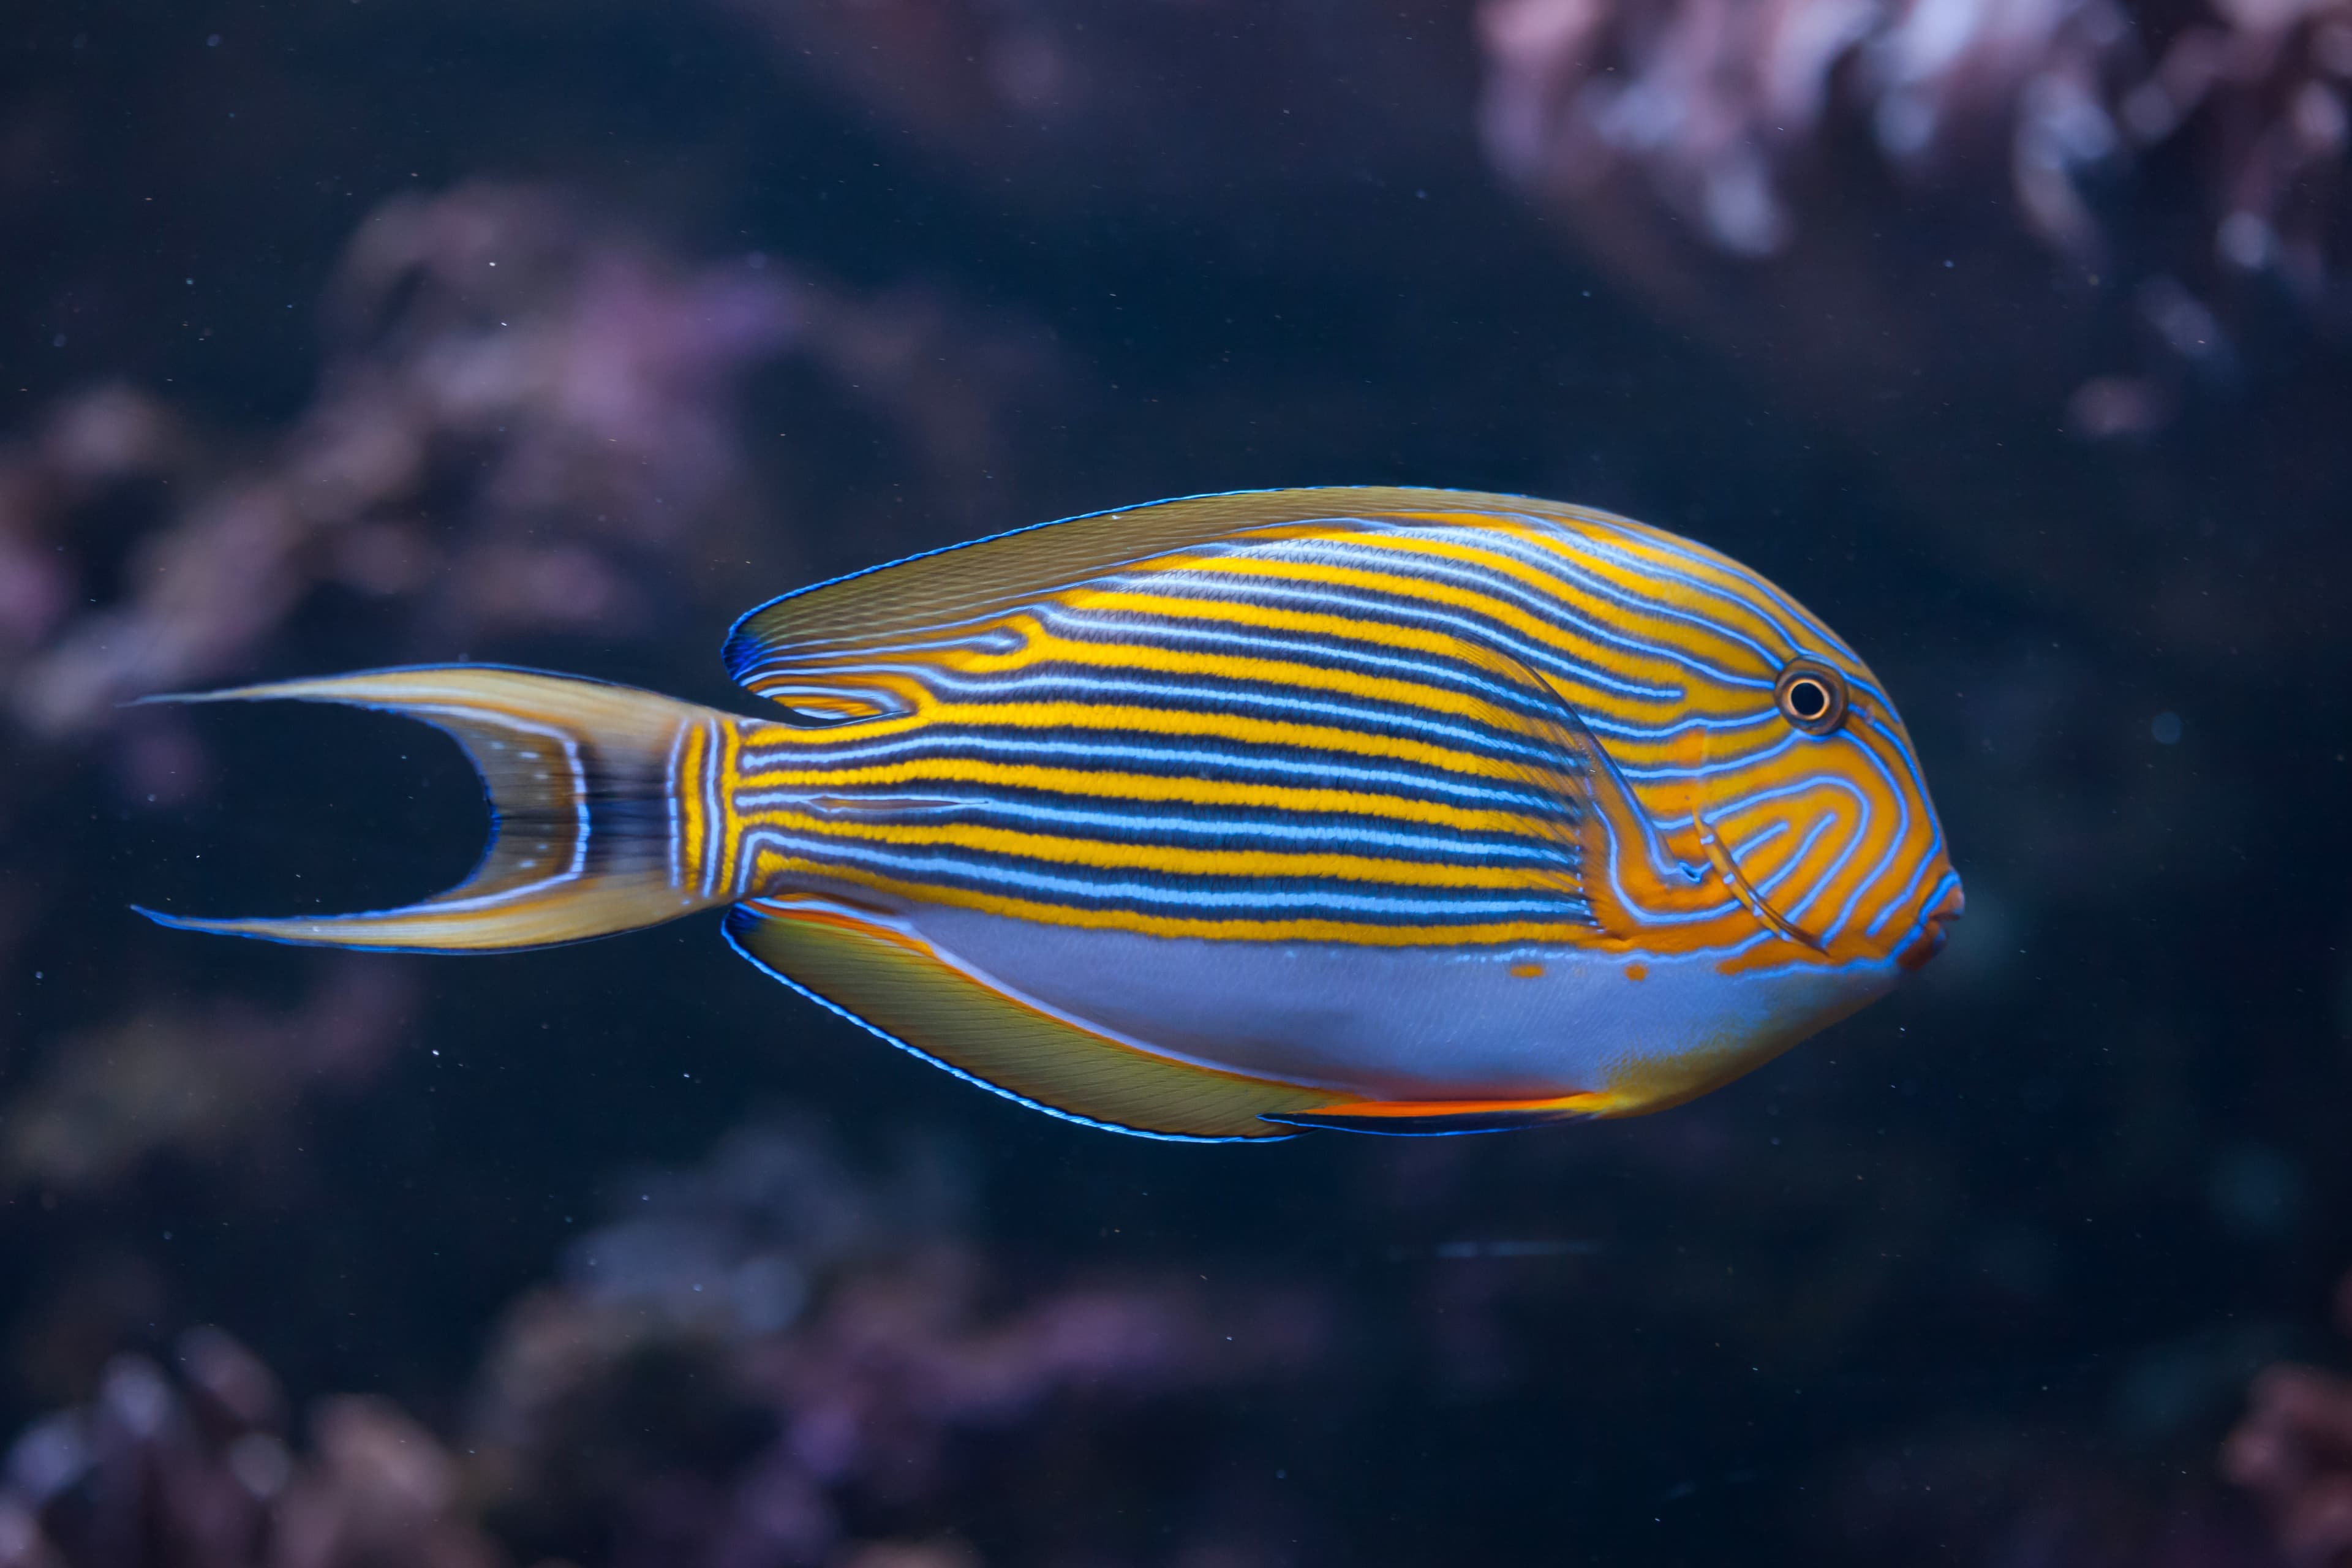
(1440, 1126)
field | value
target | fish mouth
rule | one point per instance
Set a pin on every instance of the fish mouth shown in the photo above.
(1935, 929)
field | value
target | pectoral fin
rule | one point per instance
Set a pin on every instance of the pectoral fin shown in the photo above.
(897, 985)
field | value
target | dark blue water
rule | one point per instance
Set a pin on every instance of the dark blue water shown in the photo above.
(559, 335)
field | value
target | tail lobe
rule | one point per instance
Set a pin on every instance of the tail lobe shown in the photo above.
(599, 821)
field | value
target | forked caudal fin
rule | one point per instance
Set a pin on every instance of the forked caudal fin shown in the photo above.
(590, 831)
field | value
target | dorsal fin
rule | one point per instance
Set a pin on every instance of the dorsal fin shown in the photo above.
(785, 648)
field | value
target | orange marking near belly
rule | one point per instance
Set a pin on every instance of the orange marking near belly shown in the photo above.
(1527, 972)
(1637, 971)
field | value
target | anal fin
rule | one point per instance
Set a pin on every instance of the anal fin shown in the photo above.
(1422, 1119)
(896, 984)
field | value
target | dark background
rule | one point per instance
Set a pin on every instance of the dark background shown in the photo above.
(1979, 1276)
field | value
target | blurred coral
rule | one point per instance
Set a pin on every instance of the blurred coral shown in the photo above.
(202, 1083)
(554, 397)
(1723, 107)
(770, 1358)
(768, 1347)
(1808, 183)
(196, 1471)
(1728, 115)
(2293, 1451)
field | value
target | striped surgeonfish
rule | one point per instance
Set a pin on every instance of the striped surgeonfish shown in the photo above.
(1393, 810)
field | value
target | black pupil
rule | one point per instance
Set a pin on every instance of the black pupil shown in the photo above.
(1808, 700)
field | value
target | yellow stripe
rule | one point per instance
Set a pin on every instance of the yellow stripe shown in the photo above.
(1045, 646)
(767, 864)
(1389, 635)
(1110, 854)
(728, 763)
(1045, 717)
(693, 821)
(1172, 789)
(1668, 555)
(1566, 638)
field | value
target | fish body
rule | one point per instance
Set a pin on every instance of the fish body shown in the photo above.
(1386, 809)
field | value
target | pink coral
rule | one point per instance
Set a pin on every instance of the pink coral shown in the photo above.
(520, 410)
(195, 1471)
(1663, 134)
(585, 376)
(1901, 212)
(2293, 1451)
(1725, 108)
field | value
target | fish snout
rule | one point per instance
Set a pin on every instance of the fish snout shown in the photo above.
(1935, 929)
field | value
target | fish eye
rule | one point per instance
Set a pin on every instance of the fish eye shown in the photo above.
(1812, 696)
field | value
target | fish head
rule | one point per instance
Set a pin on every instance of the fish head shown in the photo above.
(1810, 802)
